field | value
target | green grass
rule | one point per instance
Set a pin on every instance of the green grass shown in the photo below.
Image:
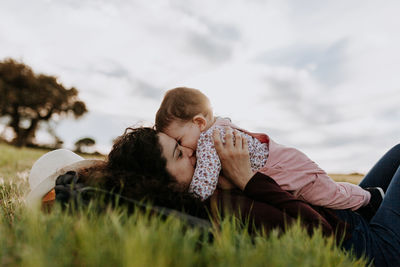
(86, 238)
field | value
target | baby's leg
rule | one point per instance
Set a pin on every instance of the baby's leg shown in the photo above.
(386, 223)
(383, 171)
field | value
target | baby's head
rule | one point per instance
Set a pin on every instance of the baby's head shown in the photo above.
(184, 113)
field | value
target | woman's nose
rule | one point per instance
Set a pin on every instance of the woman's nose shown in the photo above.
(187, 151)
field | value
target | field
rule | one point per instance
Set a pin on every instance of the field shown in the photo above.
(86, 238)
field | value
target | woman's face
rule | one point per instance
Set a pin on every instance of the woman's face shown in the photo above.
(181, 160)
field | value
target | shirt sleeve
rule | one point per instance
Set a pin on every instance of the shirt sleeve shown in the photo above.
(295, 172)
(208, 167)
(264, 189)
(335, 195)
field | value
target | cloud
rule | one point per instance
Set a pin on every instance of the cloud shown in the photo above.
(110, 68)
(206, 38)
(324, 81)
(115, 70)
(145, 89)
(212, 50)
(223, 31)
(324, 62)
(217, 29)
(299, 94)
(389, 114)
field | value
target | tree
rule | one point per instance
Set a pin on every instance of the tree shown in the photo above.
(84, 143)
(27, 98)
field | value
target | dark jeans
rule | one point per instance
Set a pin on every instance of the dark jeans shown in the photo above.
(380, 238)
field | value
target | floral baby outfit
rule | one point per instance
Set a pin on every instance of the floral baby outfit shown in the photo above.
(208, 164)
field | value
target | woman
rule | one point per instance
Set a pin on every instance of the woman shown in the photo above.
(166, 167)
(144, 164)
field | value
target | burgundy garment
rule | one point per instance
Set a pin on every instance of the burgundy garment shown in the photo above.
(268, 206)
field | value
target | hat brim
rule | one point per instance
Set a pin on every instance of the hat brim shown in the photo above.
(36, 194)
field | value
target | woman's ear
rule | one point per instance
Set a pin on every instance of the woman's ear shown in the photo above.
(200, 121)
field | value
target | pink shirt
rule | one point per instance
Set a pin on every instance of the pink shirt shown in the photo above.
(289, 167)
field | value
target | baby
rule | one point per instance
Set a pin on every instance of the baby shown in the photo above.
(186, 115)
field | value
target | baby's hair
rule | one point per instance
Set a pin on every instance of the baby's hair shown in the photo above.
(181, 103)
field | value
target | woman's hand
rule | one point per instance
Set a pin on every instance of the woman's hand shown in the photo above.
(235, 159)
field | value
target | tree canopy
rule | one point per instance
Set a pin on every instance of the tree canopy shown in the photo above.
(27, 98)
(83, 143)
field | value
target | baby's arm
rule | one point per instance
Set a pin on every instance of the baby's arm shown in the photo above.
(294, 171)
(208, 167)
(335, 195)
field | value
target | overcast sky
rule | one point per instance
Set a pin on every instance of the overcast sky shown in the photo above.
(322, 76)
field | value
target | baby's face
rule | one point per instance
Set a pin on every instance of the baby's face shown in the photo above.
(185, 133)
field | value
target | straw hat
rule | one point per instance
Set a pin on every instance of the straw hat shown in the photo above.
(44, 172)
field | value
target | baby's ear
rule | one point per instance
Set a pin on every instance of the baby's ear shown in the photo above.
(201, 121)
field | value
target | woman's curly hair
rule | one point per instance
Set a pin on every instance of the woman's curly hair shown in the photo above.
(136, 169)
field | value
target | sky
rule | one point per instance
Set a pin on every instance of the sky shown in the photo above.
(321, 76)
